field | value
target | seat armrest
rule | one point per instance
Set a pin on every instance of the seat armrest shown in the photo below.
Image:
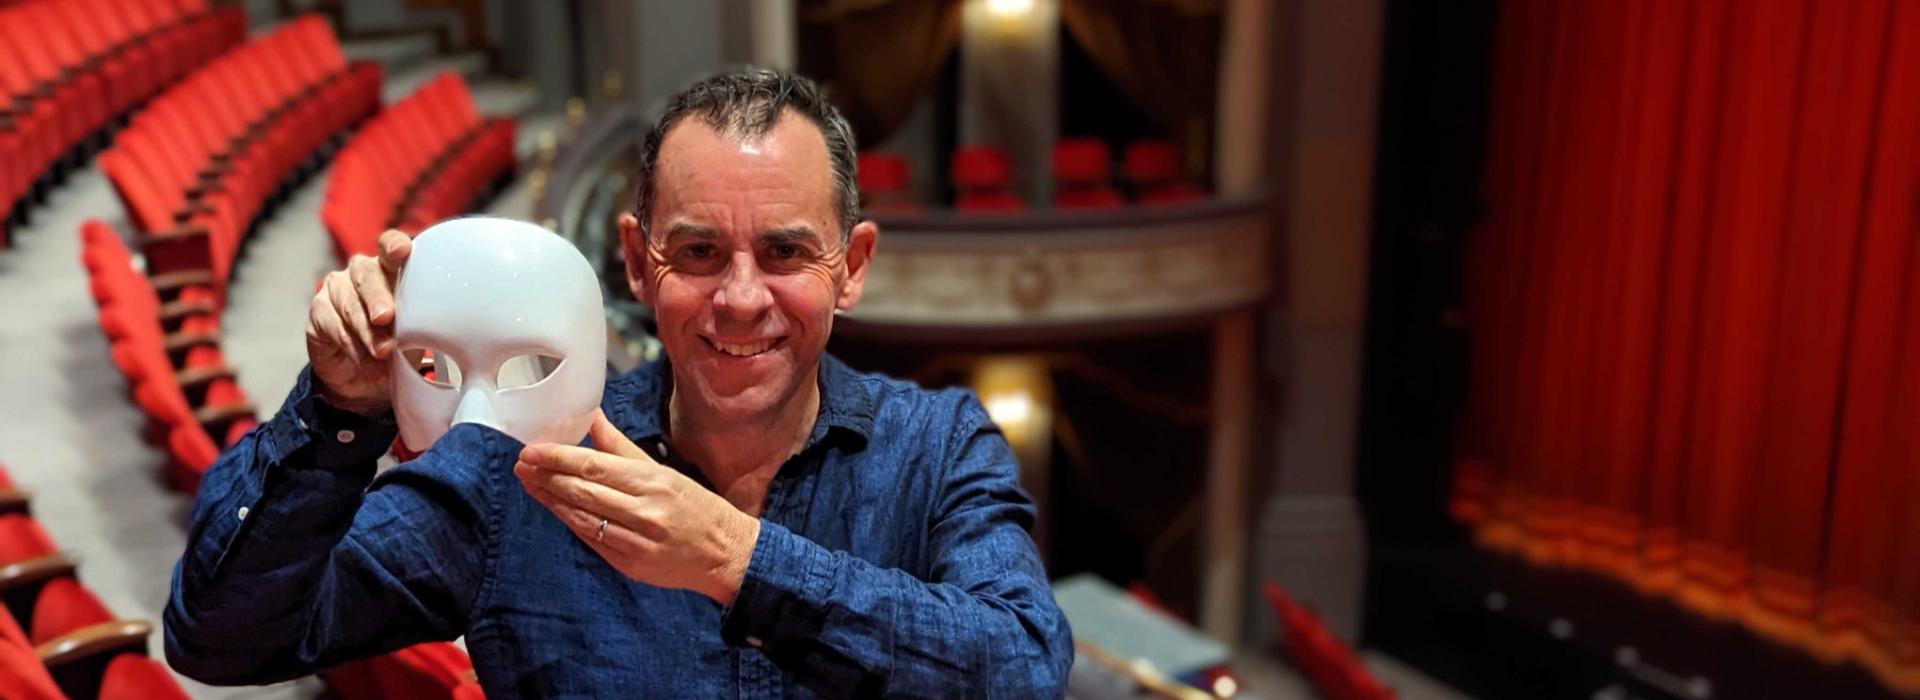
(16, 501)
(169, 284)
(102, 641)
(193, 379)
(35, 571)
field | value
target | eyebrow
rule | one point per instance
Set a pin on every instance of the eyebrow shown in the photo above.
(696, 231)
(790, 234)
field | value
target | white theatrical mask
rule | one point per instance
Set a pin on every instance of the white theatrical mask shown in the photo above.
(512, 317)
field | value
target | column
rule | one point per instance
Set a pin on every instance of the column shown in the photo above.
(1311, 537)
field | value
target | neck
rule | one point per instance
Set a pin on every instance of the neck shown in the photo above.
(740, 457)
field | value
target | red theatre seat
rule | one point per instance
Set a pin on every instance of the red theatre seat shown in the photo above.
(170, 353)
(983, 177)
(1083, 175)
(1153, 167)
(199, 165)
(427, 158)
(70, 68)
(886, 183)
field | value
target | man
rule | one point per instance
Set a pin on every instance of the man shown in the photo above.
(758, 520)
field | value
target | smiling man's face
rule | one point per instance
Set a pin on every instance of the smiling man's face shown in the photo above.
(744, 264)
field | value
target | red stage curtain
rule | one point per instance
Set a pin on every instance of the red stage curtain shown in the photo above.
(1695, 312)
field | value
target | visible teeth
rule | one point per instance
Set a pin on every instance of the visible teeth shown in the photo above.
(744, 350)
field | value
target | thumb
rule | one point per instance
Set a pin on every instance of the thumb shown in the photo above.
(609, 439)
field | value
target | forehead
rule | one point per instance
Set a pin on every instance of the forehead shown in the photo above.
(701, 166)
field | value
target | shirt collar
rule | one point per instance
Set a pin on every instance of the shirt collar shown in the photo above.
(637, 402)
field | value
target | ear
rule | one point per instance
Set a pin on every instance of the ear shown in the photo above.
(633, 246)
(860, 246)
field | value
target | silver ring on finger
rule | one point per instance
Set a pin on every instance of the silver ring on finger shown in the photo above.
(601, 534)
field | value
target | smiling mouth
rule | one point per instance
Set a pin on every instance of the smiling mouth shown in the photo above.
(743, 349)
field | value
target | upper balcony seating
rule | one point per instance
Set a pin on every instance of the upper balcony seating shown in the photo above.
(983, 180)
(1153, 168)
(886, 184)
(206, 157)
(427, 158)
(1083, 175)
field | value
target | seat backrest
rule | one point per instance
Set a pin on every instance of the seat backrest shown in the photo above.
(136, 677)
(64, 606)
(22, 538)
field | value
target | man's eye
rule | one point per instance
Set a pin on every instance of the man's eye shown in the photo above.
(697, 252)
(788, 251)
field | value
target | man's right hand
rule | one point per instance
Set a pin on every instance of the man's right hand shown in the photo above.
(350, 328)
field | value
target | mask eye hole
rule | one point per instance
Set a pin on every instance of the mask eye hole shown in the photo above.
(438, 368)
(522, 371)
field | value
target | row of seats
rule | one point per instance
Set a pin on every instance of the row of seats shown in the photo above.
(57, 640)
(205, 159)
(1332, 666)
(170, 353)
(425, 159)
(168, 347)
(1083, 173)
(69, 69)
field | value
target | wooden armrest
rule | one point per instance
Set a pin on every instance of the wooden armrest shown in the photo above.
(97, 641)
(216, 418)
(16, 500)
(192, 209)
(182, 308)
(195, 378)
(195, 193)
(173, 235)
(169, 283)
(179, 341)
(37, 570)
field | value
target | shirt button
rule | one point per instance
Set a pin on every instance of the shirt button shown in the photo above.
(661, 446)
(242, 513)
(344, 436)
(753, 642)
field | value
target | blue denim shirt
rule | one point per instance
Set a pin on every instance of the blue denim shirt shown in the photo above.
(893, 560)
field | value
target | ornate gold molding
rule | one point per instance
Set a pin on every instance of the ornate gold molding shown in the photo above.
(1069, 270)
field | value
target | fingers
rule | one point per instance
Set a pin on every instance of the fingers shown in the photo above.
(353, 315)
(324, 324)
(395, 248)
(616, 539)
(635, 475)
(375, 290)
(609, 438)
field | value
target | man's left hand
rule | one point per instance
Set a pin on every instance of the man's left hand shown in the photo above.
(661, 528)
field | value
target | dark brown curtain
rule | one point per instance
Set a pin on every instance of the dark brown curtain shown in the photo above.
(1164, 54)
(877, 57)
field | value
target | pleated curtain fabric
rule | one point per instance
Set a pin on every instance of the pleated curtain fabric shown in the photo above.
(1694, 307)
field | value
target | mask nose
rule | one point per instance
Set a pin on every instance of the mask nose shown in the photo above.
(475, 407)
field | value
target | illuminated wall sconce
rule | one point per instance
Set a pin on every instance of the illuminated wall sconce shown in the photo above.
(1009, 9)
(1017, 391)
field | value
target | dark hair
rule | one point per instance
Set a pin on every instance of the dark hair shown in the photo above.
(747, 103)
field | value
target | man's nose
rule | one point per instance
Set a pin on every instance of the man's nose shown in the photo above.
(743, 294)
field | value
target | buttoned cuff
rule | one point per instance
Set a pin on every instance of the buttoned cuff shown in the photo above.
(781, 596)
(342, 440)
